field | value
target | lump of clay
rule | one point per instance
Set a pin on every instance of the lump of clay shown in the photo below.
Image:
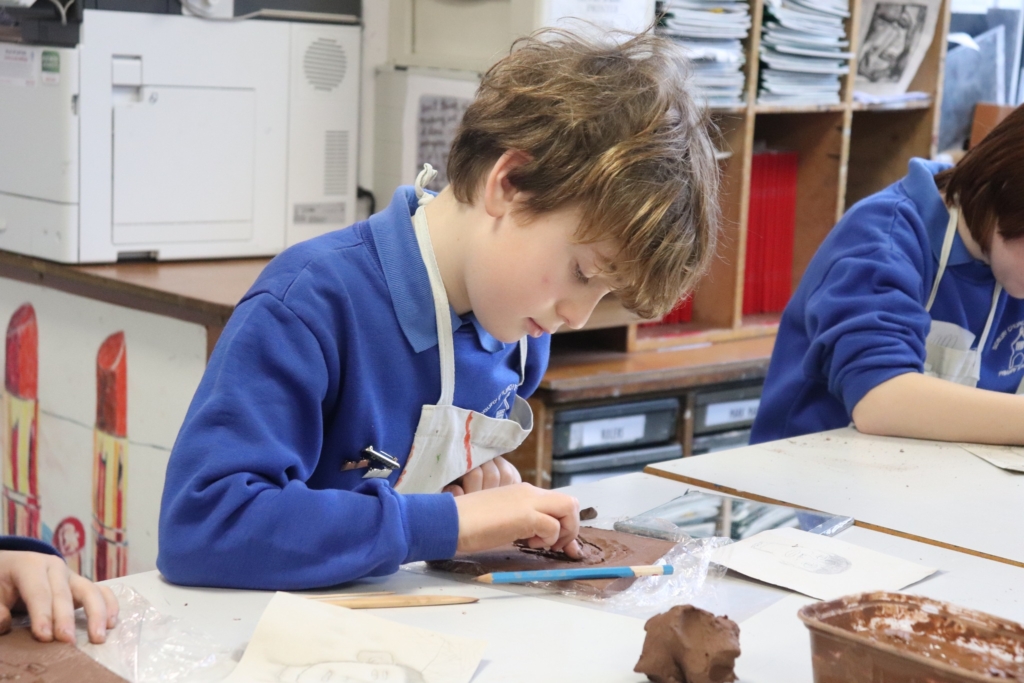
(689, 645)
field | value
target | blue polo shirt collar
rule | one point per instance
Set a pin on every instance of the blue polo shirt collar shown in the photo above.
(406, 276)
(920, 187)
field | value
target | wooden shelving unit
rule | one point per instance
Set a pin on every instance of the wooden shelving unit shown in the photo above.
(847, 152)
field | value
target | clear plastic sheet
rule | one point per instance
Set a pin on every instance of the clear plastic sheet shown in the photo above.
(693, 581)
(698, 514)
(147, 646)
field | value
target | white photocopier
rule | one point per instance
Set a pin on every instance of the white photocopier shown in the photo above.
(175, 129)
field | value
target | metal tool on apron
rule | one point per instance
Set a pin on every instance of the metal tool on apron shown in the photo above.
(948, 348)
(449, 440)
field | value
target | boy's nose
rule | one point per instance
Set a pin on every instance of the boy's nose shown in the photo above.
(576, 311)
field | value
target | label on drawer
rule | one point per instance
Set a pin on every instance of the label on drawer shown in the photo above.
(731, 411)
(608, 432)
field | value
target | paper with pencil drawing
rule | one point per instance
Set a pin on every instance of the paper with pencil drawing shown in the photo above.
(817, 566)
(299, 641)
(1005, 457)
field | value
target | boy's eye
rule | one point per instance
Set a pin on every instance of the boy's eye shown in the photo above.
(579, 274)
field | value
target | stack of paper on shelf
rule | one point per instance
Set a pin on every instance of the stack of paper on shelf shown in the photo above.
(767, 278)
(802, 51)
(712, 32)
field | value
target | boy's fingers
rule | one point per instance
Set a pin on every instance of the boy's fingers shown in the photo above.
(509, 474)
(572, 549)
(472, 481)
(491, 477)
(453, 489)
(5, 619)
(546, 528)
(91, 597)
(63, 602)
(113, 609)
(34, 589)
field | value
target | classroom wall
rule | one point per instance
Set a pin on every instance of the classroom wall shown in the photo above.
(375, 54)
(103, 391)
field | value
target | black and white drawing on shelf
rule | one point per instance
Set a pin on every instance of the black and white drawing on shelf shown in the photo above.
(894, 31)
(894, 38)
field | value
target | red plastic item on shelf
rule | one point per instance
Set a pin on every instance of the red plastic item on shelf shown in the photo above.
(771, 219)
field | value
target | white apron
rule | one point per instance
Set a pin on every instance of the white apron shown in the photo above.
(449, 440)
(948, 348)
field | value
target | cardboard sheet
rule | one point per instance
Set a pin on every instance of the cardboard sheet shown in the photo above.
(817, 566)
(1004, 457)
(299, 640)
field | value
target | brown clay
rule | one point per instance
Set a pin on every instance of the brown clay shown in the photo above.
(25, 660)
(689, 645)
(908, 638)
(600, 546)
(587, 514)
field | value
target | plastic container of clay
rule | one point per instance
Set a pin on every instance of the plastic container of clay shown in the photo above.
(898, 638)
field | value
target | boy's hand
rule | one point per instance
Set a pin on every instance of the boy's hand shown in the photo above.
(494, 517)
(50, 592)
(490, 475)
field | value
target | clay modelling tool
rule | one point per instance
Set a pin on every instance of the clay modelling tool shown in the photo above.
(583, 573)
(385, 601)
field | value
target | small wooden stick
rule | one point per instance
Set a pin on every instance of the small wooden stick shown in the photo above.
(383, 601)
(340, 596)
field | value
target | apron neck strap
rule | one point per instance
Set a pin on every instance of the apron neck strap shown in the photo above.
(991, 316)
(424, 178)
(442, 311)
(947, 248)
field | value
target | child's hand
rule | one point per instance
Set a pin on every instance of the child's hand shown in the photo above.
(50, 592)
(494, 517)
(490, 475)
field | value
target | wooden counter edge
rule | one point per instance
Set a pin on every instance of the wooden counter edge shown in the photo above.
(66, 278)
(739, 493)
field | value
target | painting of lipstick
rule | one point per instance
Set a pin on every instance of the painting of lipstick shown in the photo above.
(110, 453)
(20, 420)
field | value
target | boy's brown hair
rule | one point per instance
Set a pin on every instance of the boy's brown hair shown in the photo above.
(613, 130)
(988, 183)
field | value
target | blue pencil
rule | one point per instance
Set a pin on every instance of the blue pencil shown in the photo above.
(575, 574)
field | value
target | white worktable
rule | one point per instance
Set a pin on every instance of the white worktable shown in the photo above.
(539, 637)
(929, 491)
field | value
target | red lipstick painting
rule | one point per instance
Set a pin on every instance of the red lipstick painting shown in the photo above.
(20, 415)
(110, 453)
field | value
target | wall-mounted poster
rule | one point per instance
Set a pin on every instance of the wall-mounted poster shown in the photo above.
(93, 397)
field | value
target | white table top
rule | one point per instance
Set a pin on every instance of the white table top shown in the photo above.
(929, 491)
(541, 637)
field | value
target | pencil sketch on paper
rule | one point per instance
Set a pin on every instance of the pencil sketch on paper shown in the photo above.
(372, 667)
(299, 641)
(807, 559)
(894, 31)
(894, 37)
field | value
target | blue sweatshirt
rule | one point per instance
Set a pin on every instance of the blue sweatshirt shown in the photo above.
(22, 543)
(332, 350)
(858, 317)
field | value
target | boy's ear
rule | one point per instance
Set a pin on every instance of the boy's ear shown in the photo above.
(499, 193)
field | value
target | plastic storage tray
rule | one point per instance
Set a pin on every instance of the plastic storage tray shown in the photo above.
(580, 431)
(726, 409)
(896, 638)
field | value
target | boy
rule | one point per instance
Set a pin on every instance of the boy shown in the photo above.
(316, 448)
(909, 318)
(33, 576)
